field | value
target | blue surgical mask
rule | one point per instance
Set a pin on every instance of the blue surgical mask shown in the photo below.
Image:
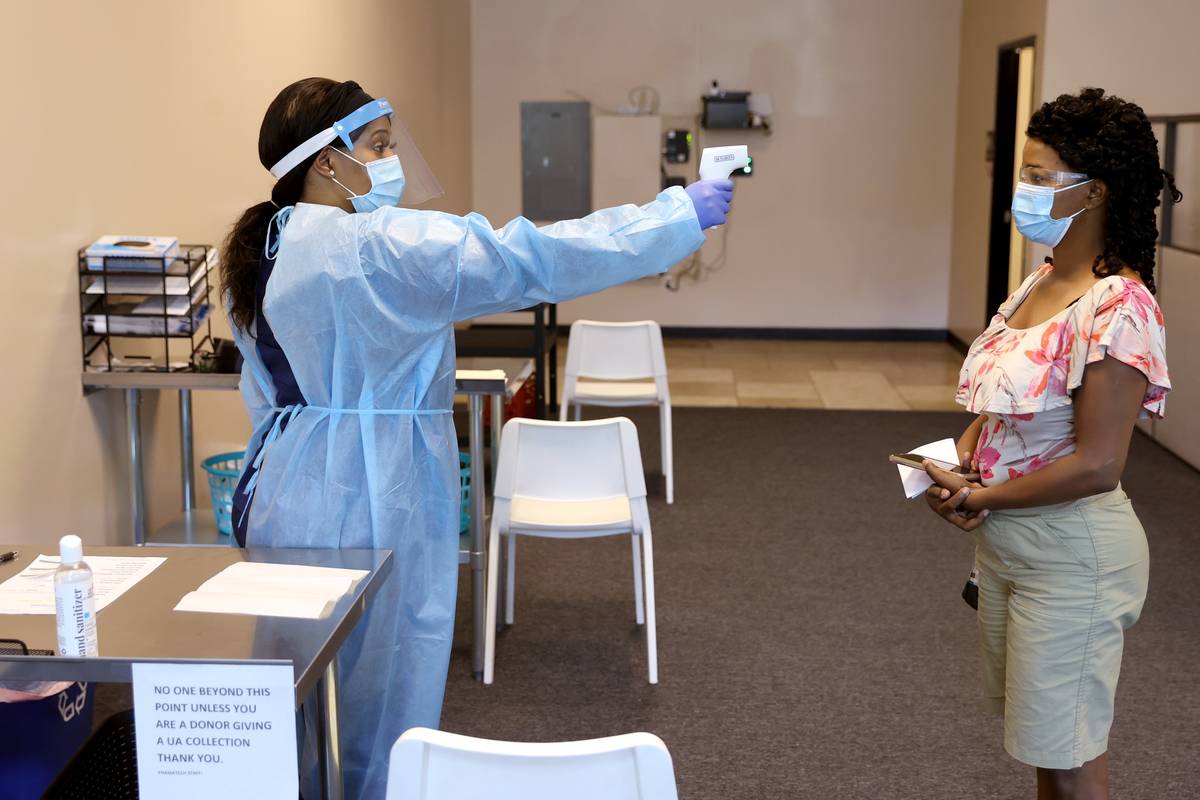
(387, 183)
(1031, 207)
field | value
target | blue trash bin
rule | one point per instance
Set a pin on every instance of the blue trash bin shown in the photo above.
(39, 737)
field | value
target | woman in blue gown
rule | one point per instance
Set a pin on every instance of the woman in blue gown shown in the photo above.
(343, 306)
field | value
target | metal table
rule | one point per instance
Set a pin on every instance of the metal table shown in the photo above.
(142, 626)
(197, 528)
(133, 384)
(507, 377)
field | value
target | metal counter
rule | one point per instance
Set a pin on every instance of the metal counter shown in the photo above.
(142, 626)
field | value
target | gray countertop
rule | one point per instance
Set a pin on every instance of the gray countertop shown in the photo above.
(142, 624)
(516, 370)
(226, 381)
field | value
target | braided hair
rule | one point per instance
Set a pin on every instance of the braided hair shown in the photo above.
(1110, 139)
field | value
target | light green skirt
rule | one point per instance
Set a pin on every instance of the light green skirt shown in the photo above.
(1058, 587)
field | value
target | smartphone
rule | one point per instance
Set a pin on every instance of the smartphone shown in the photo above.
(918, 462)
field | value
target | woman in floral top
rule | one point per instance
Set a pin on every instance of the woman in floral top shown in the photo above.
(1057, 380)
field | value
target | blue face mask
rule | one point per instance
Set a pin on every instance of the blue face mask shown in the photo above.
(1031, 211)
(387, 183)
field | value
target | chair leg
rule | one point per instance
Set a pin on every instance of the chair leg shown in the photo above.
(637, 579)
(511, 588)
(668, 455)
(578, 412)
(651, 630)
(493, 590)
(564, 403)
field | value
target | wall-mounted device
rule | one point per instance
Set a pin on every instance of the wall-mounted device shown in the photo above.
(726, 109)
(677, 145)
(721, 162)
(761, 108)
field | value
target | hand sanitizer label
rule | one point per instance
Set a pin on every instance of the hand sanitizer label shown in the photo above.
(75, 607)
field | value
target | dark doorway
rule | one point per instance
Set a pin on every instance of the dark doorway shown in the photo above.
(1013, 99)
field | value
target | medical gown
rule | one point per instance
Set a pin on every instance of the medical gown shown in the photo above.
(363, 307)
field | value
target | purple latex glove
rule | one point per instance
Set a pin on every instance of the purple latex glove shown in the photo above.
(711, 199)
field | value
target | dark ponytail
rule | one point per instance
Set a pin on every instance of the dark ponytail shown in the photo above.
(299, 111)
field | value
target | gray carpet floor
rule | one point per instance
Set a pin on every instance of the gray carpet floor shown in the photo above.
(812, 641)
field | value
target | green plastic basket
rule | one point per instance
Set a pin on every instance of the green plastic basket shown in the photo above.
(223, 471)
(464, 491)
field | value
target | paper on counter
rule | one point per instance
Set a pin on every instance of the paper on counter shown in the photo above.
(257, 604)
(273, 590)
(916, 481)
(31, 591)
(479, 374)
(278, 584)
(256, 570)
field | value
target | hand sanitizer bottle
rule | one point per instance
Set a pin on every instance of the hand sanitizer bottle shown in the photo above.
(74, 601)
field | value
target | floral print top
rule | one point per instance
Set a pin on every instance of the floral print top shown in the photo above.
(1022, 379)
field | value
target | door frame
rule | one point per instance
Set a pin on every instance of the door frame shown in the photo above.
(1004, 140)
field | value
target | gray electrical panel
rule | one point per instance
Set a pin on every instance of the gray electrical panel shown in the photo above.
(556, 160)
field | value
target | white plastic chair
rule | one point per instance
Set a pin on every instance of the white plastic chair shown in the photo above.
(611, 364)
(433, 765)
(570, 480)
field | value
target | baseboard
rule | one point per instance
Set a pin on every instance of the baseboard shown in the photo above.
(790, 334)
(957, 343)
(812, 334)
(1158, 443)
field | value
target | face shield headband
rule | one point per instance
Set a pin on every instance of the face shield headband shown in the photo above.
(339, 130)
(420, 184)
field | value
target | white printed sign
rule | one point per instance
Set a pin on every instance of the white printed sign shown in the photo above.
(215, 730)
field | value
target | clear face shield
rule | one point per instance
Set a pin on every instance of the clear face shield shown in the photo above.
(420, 184)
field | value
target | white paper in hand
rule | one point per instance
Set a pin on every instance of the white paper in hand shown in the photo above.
(916, 481)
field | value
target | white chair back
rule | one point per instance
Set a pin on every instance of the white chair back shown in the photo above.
(616, 351)
(569, 460)
(434, 765)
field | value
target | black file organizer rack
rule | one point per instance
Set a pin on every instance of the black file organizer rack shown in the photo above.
(103, 300)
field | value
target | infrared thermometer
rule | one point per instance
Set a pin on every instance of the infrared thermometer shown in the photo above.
(720, 162)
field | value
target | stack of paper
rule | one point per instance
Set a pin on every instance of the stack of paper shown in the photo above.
(31, 591)
(177, 305)
(131, 252)
(273, 590)
(480, 374)
(178, 280)
(130, 324)
(916, 481)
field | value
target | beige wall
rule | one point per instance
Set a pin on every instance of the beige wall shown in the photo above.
(847, 221)
(1179, 294)
(142, 117)
(986, 25)
(1145, 52)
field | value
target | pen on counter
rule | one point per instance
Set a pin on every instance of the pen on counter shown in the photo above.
(9, 556)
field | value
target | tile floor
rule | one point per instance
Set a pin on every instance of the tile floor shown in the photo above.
(919, 376)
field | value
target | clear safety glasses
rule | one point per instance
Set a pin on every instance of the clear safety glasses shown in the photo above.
(420, 184)
(1050, 178)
